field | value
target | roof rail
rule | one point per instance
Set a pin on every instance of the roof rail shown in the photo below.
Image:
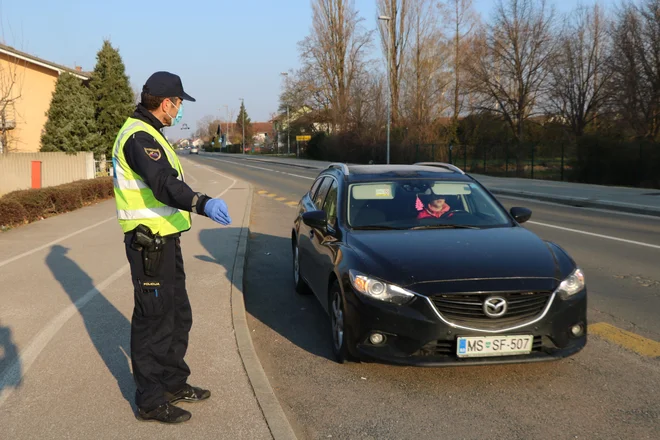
(341, 166)
(446, 166)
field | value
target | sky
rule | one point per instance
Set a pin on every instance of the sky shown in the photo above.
(223, 50)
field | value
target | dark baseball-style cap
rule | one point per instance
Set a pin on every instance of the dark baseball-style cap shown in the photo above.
(166, 85)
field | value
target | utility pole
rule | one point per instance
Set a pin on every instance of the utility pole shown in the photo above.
(389, 83)
(243, 108)
(288, 122)
(227, 110)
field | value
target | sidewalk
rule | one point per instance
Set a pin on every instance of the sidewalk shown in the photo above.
(67, 301)
(632, 200)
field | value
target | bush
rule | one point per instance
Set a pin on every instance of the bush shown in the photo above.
(26, 206)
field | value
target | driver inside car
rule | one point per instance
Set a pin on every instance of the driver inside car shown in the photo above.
(434, 206)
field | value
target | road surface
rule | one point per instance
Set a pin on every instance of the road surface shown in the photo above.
(609, 390)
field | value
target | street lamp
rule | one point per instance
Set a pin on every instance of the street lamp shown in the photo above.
(243, 107)
(288, 127)
(389, 83)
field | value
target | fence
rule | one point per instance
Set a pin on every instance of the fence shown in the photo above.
(26, 170)
(553, 161)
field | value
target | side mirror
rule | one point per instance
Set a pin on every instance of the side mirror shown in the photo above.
(315, 219)
(521, 214)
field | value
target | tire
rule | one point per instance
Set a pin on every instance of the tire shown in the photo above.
(341, 337)
(301, 286)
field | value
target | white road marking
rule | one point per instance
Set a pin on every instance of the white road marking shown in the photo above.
(20, 366)
(623, 240)
(40, 248)
(24, 361)
(262, 168)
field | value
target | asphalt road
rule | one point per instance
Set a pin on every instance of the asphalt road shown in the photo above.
(609, 390)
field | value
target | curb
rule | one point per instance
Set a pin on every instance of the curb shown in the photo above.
(579, 202)
(279, 425)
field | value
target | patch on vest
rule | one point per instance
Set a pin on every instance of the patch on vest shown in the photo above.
(153, 153)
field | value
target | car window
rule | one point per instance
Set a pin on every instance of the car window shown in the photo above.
(315, 186)
(322, 192)
(414, 203)
(330, 205)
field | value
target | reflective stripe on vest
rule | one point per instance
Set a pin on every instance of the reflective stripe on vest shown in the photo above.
(136, 203)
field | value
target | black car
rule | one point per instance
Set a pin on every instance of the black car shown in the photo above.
(421, 265)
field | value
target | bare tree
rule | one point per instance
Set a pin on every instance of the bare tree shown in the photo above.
(395, 34)
(635, 63)
(579, 74)
(460, 17)
(512, 59)
(203, 126)
(425, 77)
(12, 72)
(335, 49)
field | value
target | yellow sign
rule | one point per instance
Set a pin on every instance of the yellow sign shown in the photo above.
(303, 138)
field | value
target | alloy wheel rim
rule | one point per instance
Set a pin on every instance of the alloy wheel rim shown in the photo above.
(337, 321)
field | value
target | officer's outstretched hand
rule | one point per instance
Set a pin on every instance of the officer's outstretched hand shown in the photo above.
(216, 210)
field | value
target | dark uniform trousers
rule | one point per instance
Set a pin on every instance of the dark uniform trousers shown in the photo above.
(161, 322)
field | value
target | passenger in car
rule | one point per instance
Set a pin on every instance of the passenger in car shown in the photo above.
(434, 207)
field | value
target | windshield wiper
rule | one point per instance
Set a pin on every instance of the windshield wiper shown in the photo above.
(377, 228)
(446, 227)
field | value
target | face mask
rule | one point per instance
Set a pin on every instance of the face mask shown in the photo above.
(176, 119)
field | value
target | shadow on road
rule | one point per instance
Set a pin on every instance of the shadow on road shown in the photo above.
(10, 367)
(269, 292)
(108, 328)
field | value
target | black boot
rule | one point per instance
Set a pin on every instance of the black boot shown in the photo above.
(165, 413)
(188, 394)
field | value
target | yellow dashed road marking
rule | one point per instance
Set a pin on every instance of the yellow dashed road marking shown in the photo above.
(265, 193)
(628, 340)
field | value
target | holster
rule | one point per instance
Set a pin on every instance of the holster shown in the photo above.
(152, 246)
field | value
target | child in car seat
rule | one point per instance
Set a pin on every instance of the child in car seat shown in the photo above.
(435, 207)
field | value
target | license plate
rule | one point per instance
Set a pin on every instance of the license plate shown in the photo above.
(482, 346)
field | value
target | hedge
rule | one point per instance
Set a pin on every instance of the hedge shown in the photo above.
(25, 206)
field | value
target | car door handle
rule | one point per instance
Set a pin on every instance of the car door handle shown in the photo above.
(311, 234)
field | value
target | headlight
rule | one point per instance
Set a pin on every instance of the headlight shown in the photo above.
(571, 285)
(380, 290)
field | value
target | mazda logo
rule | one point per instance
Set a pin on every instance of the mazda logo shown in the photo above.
(495, 307)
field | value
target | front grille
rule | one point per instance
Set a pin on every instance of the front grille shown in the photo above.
(468, 308)
(448, 348)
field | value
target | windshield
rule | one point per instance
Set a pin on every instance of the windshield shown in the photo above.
(422, 204)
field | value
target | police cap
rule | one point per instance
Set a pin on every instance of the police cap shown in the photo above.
(166, 85)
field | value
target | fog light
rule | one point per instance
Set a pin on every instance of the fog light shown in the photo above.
(577, 330)
(376, 338)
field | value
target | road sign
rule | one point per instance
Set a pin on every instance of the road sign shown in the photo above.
(303, 138)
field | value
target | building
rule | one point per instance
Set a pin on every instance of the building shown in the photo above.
(262, 132)
(27, 84)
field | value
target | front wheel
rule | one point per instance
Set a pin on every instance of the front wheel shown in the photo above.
(341, 336)
(301, 286)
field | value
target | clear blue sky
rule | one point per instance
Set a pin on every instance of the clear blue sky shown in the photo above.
(223, 49)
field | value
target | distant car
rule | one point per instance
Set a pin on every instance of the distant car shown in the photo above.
(194, 150)
(420, 264)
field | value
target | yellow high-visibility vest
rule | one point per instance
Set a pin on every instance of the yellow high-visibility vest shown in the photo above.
(136, 203)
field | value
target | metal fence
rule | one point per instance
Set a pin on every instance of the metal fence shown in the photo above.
(551, 161)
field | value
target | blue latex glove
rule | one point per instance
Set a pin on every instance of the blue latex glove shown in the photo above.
(216, 210)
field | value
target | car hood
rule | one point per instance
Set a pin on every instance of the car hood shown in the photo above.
(422, 256)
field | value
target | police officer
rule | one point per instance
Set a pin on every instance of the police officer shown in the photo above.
(154, 206)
